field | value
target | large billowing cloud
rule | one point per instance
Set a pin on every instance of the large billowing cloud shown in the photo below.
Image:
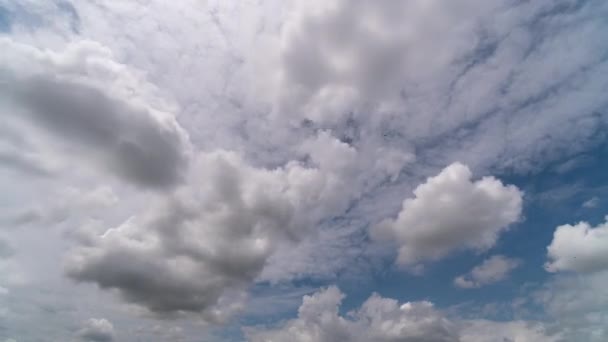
(382, 319)
(579, 248)
(88, 105)
(199, 249)
(451, 212)
(491, 270)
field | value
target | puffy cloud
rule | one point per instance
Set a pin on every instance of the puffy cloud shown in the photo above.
(451, 212)
(378, 319)
(97, 330)
(199, 248)
(579, 248)
(88, 105)
(383, 319)
(591, 203)
(491, 270)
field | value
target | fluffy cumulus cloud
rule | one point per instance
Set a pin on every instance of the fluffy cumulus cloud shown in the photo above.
(84, 103)
(382, 319)
(491, 270)
(579, 248)
(97, 330)
(198, 249)
(451, 212)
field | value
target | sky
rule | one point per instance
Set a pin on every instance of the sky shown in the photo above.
(310, 171)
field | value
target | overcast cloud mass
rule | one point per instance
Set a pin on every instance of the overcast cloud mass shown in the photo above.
(319, 171)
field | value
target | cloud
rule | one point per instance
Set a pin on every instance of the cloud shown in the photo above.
(378, 319)
(451, 212)
(93, 108)
(381, 319)
(502, 93)
(591, 203)
(6, 250)
(197, 250)
(513, 331)
(491, 270)
(97, 330)
(579, 248)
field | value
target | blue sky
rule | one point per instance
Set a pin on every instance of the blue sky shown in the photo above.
(320, 171)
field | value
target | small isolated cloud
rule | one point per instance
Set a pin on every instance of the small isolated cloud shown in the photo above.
(451, 212)
(491, 270)
(6, 250)
(591, 203)
(97, 330)
(579, 248)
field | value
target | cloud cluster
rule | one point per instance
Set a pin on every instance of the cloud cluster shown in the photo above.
(198, 249)
(383, 320)
(579, 248)
(491, 270)
(451, 212)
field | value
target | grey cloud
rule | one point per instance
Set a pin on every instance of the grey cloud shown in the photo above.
(97, 330)
(6, 250)
(491, 270)
(99, 123)
(23, 164)
(200, 248)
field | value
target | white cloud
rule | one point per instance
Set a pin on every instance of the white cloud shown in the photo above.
(491, 270)
(97, 330)
(451, 212)
(591, 203)
(378, 319)
(381, 319)
(579, 248)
